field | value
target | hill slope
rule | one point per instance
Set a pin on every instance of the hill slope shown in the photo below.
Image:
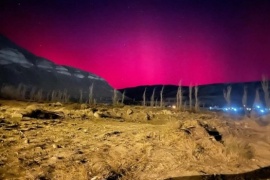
(18, 66)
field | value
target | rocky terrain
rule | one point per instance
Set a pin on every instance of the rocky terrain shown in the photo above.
(102, 142)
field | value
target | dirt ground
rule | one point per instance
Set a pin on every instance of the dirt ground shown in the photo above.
(101, 142)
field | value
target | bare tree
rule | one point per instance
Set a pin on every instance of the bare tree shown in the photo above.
(161, 97)
(185, 105)
(115, 98)
(123, 97)
(32, 93)
(179, 96)
(257, 100)
(227, 95)
(152, 102)
(190, 97)
(17, 95)
(156, 102)
(196, 98)
(265, 87)
(81, 96)
(21, 92)
(53, 96)
(66, 96)
(48, 96)
(39, 95)
(10, 92)
(91, 88)
(59, 96)
(144, 97)
(244, 98)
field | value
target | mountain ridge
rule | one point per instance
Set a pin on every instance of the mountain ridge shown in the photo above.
(19, 66)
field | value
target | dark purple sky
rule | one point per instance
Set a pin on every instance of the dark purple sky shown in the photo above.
(144, 42)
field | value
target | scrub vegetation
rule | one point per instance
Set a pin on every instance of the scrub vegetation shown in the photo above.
(96, 142)
(45, 136)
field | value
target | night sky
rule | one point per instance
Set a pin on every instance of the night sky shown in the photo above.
(146, 42)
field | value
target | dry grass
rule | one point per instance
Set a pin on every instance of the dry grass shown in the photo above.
(236, 149)
(121, 145)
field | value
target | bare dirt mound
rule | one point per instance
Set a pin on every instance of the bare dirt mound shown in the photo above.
(74, 141)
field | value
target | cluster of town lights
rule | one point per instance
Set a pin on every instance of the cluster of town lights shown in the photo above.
(257, 108)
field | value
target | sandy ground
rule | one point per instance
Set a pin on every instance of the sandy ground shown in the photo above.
(73, 141)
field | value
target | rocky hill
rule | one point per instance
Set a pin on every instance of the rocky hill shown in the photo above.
(25, 74)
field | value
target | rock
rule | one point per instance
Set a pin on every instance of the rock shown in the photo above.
(53, 160)
(166, 112)
(26, 141)
(56, 146)
(89, 113)
(16, 115)
(119, 114)
(84, 106)
(129, 111)
(32, 107)
(96, 178)
(39, 149)
(26, 119)
(57, 104)
(97, 114)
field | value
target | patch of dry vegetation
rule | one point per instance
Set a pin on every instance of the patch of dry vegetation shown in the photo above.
(98, 142)
(236, 149)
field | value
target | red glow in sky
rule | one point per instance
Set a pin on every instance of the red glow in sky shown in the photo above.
(131, 43)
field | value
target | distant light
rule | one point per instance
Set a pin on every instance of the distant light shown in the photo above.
(262, 110)
(258, 106)
(174, 106)
(210, 108)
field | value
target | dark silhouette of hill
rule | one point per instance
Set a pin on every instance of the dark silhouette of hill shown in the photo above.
(209, 95)
(20, 67)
